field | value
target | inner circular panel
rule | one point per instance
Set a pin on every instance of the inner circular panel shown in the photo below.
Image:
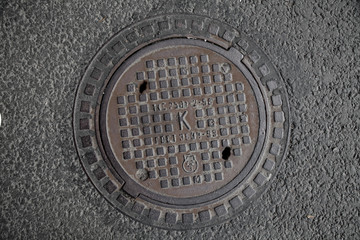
(181, 121)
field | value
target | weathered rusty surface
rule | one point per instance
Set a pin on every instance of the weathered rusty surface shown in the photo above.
(196, 103)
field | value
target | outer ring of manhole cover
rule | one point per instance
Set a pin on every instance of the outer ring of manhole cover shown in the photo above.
(180, 121)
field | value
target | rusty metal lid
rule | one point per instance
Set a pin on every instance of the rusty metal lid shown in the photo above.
(180, 121)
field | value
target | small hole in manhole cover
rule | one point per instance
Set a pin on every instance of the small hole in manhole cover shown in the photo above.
(226, 153)
(142, 87)
(181, 132)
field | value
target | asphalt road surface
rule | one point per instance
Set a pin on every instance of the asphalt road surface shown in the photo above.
(45, 48)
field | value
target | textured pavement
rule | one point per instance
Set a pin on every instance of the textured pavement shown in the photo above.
(45, 48)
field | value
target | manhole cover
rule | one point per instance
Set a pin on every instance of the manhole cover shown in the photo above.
(180, 121)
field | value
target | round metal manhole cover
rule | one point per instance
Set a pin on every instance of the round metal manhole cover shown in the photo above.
(180, 121)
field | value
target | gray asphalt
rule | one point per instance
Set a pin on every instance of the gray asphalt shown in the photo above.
(45, 48)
